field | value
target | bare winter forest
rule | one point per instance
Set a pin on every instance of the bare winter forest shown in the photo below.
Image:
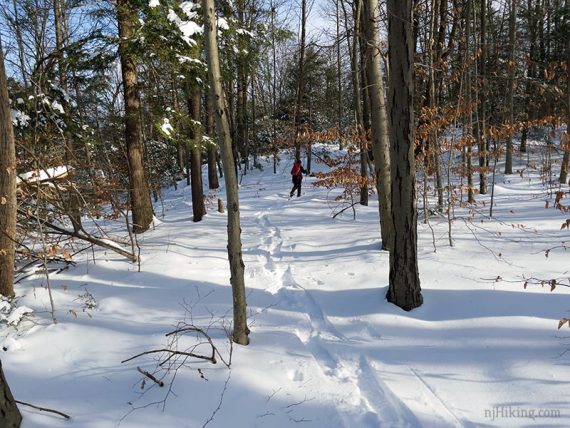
(145, 157)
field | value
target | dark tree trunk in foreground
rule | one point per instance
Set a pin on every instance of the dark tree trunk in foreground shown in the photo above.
(10, 416)
(141, 205)
(8, 204)
(404, 288)
(240, 329)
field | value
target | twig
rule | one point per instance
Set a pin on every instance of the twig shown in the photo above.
(170, 351)
(216, 410)
(151, 377)
(43, 409)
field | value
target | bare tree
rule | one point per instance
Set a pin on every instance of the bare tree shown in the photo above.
(379, 121)
(9, 414)
(241, 331)
(8, 202)
(404, 288)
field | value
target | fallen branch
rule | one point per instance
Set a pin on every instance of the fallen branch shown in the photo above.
(81, 234)
(212, 359)
(43, 409)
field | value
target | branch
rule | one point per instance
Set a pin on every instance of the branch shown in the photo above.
(151, 377)
(170, 351)
(80, 235)
(43, 409)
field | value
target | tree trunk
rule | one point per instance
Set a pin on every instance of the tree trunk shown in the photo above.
(483, 152)
(198, 206)
(73, 209)
(8, 201)
(404, 286)
(364, 142)
(512, 68)
(379, 123)
(213, 182)
(141, 205)
(339, 77)
(241, 331)
(566, 138)
(10, 416)
(301, 82)
(241, 101)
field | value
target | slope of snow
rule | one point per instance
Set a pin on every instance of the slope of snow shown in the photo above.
(326, 349)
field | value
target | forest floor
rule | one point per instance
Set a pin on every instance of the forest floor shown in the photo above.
(326, 348)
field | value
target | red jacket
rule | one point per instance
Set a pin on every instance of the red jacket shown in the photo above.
(298, 170)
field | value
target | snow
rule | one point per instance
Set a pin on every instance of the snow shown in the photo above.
(188, 28)
(19, 118)
(43, 174)
(154, 3)
(166, 127)
(326, 348)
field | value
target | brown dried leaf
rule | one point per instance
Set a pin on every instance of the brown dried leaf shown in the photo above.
(562, 322)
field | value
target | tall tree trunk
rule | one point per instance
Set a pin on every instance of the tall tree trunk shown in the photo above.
(404, 287)
(434, 49)
(74, 201)
(141, 205)
(301, 82)
(379, 123)
(8, 202)
(364, 141)
(483, 149)
(241, 331)
(469, 107)
(10, 416)
(512, 68)
(566, 138)
(339, 77)
(198, 206)
(274, 89)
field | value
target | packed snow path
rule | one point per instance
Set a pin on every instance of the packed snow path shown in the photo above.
(327, 350)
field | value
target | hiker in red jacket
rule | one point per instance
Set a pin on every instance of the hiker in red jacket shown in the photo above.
(297, 175)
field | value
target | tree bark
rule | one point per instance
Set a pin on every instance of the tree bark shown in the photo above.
(213, 182)
(141, 205)
(379, 123)
(404, 286)
(8, 201)
(198, 206)
(240, 331)
(483, 149)
(10, 416)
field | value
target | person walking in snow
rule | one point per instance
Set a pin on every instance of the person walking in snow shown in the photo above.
(297, 175)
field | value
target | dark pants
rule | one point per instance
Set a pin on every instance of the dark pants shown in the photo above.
(297, 179)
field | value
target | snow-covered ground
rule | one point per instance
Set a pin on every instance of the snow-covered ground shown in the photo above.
(326, 349)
